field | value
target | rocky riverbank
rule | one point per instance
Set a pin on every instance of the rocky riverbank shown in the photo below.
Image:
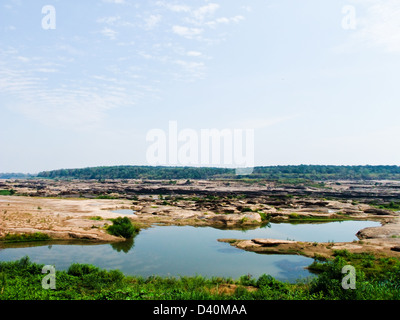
(82, 209)
(129, 189)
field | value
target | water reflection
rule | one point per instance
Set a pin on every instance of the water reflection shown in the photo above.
(290, 269)
(243, 228)
(124, 246)
(121, 246)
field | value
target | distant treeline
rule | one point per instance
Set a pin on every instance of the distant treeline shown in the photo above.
(138, 172)
(15, 176)
(309, 172)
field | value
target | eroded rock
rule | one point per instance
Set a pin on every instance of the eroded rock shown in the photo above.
(272, 242)
(378, 211)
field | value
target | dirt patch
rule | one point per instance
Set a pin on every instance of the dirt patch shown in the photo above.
(229, 289)
(59, 218)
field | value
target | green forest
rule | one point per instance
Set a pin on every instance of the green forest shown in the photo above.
(309, 172)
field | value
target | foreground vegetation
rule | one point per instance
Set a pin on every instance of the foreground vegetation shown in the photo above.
(376, 278)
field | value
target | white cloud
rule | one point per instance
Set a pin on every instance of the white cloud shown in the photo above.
(237, 19)
(23, 59)
(115, 1)
(46, 70)
(84, 103)
(104, 78)
(109, 33)
(152, 21)
(13, 82)
(115, 21)
(126, 44)
(193, 70)
(174, 7)
(197, 20)
(186, 31)
(247, 8)
(65, 106)
(194, 54)
(109, 20)
(145, 55)
(205, 11)
(224, 20)
(70, 50)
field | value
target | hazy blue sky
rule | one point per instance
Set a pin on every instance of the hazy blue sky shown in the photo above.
(318, 81)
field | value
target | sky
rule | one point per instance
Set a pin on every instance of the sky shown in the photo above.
(88, 83)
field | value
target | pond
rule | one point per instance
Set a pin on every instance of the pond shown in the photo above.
(125, 211)
(188, 251)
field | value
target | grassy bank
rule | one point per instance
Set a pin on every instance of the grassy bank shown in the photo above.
(7, 192)
(25, 237)
(376, 278)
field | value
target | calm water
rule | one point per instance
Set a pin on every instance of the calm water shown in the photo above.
(125, 211)
(175, 251)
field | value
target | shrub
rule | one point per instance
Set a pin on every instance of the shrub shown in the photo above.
(122, 227)
(246, 280)
(264, 216)
(92, 277)
(24, 267)
(294, 216)
(79, 270)
(342, 253)
(267, 280)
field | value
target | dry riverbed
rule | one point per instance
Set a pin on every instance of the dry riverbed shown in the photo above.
(65, 217)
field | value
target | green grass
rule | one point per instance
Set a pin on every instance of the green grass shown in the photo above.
(25, 237)
(264, 216)
(295, 217)
(376, 278)
(394, 206)
(106, 196)
(7, 192)
(97, 218)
